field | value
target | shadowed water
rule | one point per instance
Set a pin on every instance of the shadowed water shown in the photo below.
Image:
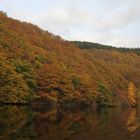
(25, 123)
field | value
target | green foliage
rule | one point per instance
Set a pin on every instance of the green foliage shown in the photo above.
(90, 45)
(39, 60)
(26, 70)
(76, 82)
(13, 89)
(105, 96)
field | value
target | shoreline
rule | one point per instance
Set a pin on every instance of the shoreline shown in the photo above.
(66, 105)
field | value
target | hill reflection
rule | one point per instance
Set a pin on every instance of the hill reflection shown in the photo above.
(19, 123)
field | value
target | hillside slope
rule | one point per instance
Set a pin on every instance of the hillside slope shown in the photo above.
(37, 64)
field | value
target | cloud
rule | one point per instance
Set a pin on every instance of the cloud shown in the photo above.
(113, 22)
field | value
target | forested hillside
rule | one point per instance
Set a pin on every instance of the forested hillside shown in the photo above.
(35, 64)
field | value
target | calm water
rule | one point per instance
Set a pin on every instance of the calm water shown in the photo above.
(24, 123)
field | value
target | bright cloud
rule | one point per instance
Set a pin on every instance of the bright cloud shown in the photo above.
(113, 22)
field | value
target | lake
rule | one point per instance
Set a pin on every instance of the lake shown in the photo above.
(26, 123)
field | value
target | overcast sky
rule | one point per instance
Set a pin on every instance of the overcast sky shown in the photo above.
(113, 22)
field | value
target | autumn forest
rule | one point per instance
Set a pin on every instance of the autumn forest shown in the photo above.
(37, 66)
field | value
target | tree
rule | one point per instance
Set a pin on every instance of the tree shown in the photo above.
(83, 92)
(132, 94)
(3, 13)
(55, 82)
(105, 96)
(26, 70)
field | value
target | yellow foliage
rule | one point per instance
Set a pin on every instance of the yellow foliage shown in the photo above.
(13, 89)
(132, 93)
(56, 65)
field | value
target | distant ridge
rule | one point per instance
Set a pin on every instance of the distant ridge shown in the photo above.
(91, 45)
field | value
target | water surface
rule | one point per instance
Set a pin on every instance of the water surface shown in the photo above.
(25, 123)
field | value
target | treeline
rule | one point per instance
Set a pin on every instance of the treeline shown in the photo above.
(90, 45)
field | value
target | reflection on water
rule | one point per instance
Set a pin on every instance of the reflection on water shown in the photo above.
(132, 121)
(16, 123)
(24, 123)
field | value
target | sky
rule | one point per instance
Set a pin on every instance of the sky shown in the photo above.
(111, 22)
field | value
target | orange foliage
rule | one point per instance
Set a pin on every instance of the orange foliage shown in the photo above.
(60, 67)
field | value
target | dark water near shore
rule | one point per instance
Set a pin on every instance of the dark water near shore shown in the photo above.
(25, 123)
